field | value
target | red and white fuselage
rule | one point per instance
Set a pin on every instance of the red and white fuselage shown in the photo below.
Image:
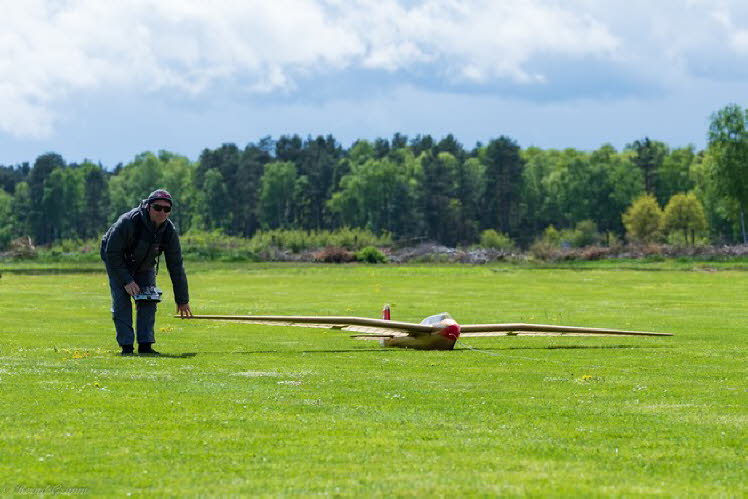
(443, 338)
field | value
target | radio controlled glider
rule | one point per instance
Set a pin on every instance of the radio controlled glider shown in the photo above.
(436, 332)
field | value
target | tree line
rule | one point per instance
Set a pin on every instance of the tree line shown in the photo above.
(415, 189)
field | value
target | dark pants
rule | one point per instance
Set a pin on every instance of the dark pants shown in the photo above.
(122, 311)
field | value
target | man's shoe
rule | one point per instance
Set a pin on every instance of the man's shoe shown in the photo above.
(127, 350)
(147, 349)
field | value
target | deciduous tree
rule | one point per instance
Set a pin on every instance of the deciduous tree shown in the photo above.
(728, 145)
(643, 220)
(277, 187)
(684, 212)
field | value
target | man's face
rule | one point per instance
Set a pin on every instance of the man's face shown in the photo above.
(158, 211)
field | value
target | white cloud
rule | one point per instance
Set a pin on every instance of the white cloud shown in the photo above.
(52, 49)
(737, 37)
(475, 40)
(49, 49)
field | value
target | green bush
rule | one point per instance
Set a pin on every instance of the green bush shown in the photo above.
(71, 250)
(264, 245)
(215, 245)
(584, 234)
(551, 237)
(495, 240)
(300, 240)
(370, 254)
(355, 239)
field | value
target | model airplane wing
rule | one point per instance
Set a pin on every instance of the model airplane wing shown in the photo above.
(520, 329)
(366, 327)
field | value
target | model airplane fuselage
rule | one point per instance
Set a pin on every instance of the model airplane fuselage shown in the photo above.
(443, 337)
(436, 332)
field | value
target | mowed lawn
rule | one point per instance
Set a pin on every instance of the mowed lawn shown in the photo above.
(251, 409)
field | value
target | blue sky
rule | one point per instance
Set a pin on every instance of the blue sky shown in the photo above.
(108, 80)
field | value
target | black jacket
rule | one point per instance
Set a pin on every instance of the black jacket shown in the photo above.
(133, 244)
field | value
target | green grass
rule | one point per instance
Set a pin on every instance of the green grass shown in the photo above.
(250, 409)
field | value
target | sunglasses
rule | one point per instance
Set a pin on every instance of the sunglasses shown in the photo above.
(160, 207)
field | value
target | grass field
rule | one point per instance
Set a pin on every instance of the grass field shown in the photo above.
(250, 409)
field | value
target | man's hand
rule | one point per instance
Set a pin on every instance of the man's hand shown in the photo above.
(132, 288)
(184, 310)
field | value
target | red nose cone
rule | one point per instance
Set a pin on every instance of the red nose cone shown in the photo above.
(386, 313)
(452, 332)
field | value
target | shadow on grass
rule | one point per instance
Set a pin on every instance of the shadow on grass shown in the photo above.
(340, 350)
(458, 348)
(600, 347)
(569, 347)
(186, 355)
(352, 350)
